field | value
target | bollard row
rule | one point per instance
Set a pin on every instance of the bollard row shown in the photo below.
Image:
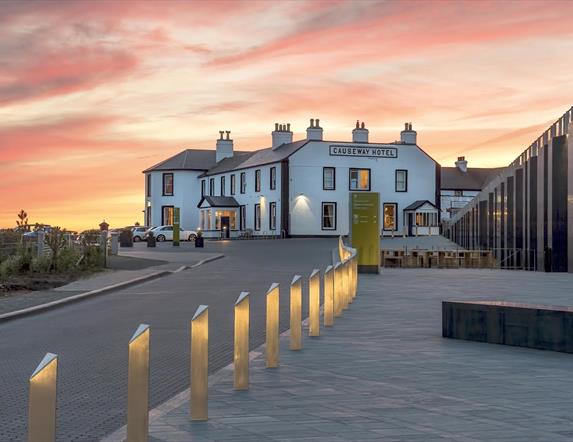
(340, 286)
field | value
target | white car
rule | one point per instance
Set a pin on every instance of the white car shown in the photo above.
(165, 233)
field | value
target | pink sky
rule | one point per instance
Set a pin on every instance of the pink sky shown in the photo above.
(93, 92)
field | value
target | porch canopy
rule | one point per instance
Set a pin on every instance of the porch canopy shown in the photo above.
(213, 208)
(423, 216)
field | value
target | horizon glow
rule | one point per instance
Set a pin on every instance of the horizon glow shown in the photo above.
(92, 92)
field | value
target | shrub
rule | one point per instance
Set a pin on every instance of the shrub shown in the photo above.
(10, 266)
(41, 264)
(92, 250)
(9, 243)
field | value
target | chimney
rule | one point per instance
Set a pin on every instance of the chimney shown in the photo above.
(359, 133)
(408, 136)
(462, 164)
(281, 135)
(224, 146)
(314, 131)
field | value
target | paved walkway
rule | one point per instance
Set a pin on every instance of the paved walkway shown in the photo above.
(384, 372)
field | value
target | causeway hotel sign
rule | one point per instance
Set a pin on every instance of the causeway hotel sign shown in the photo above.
(342, 150)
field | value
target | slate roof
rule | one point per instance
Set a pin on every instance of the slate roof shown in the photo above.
(188, 159)
(417, 204)
(474, 179)
(256, 158)
(219, 201)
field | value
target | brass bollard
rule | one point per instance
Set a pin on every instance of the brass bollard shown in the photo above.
(42, 400)
(314, 303)
(200, 364)
(241, 357)
(296, 313)
(329, 296)
(337, 289)
(345, 285)
(272, 338)
(138, 386)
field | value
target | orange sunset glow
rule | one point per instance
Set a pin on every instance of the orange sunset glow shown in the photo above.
(93, 92)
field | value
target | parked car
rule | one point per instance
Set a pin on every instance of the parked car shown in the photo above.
(138, 232)
(165, 233)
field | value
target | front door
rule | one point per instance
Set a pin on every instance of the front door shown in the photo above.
(225, 227)
(410, 223)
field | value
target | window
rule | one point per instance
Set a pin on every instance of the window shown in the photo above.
(273, 178)
(390, 211)
(166, 215)
(148, 184)
(206, 219)
(222, 186)
(328, 216)
(258, 180)
(148, 216)
(212, 186)
(328, 178)
(458, 193)
(272, 216)
(242, 217)
(401, 180)
(167, 184)
(257, 217)
(203, 185)
(359, 179)
(233, 184)
(243, 182)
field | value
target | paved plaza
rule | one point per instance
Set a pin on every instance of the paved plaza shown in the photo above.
(384, 372)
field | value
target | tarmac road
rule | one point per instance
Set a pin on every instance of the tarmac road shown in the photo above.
(91, 336)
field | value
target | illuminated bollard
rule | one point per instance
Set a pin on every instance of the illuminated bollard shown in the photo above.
(42, 400)
(241, 357)
(349, 282)
(138, 386)
(329, 296)
(355, 275)
(314, 303)
(296, 313)
(344, 274)
(272, 338)
(200, 364)
(337, 290)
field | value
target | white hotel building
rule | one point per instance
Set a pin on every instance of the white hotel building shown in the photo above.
(296, 188)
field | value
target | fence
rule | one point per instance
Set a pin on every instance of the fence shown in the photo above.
(340, 284)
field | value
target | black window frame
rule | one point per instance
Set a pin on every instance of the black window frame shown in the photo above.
(222, 185)
(272, 215)
(259, 218)
(203, 187)
(273, 178)
(405, 180)
(169, 206)
(211, 186)
(322, 215)
(333, 177)
(257, 180)
(233, 183)
(165, 175)
(148, 184)
(243, 182)
(395, 216)
(242, 217)
(350, 179)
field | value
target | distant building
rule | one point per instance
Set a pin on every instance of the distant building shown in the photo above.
(460, 184)
(296, 188)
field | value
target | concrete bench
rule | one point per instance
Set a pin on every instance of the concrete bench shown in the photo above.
(510, 323)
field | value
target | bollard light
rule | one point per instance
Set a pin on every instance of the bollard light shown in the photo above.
(272, 338)
(314, 303)
(241, 353)
(296, 313)
(138, 386)
(42, 400)
(200, 364)
(329, 296)
(337, 289)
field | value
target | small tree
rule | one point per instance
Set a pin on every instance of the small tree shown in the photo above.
(56, 241)
(22, 221)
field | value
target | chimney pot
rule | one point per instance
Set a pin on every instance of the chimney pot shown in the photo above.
(228, 132)
(317, 125)
(357, 124)
(362, 125)
(288, 127)
(312, 122)
(220, 134)
(276, 126)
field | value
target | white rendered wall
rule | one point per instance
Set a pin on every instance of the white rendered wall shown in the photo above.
(306, 193)
(186, 196)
